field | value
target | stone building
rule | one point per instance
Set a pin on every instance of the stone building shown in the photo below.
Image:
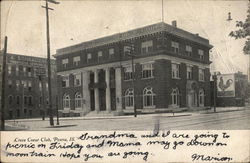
(171, 72)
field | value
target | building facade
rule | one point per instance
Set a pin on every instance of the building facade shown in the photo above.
(26, 90)
(170, 71)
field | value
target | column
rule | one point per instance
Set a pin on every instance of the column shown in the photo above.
(118, 88)
(107, 79)
(86, 91)
(97, 105)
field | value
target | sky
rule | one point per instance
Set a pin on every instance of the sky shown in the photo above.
(75, 21)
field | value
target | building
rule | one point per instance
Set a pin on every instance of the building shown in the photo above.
(171, 70)
(26, 90)
(232, 89)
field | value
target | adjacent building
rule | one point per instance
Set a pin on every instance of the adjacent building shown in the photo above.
(170, 71)
(232, 89)
(26, 90)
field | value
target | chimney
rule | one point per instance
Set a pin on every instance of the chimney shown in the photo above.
(174, 23)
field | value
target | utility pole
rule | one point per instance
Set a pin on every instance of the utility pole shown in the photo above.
(3, 85)
(132, 55)
(57, 115)
(215, 90)
(48, 59)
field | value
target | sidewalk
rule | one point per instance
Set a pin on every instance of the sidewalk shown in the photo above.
(223, 109)
(218, 109)
(101, 118)
(15, 127)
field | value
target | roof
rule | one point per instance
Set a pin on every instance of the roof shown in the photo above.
(30, 58)
(154, 28)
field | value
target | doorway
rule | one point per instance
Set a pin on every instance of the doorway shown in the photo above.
(192, 99)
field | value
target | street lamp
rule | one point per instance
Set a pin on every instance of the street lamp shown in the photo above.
(48, 59)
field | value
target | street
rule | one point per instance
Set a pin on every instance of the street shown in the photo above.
(224, 120)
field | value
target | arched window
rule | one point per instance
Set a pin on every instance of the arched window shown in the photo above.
(175, 97)
(148, 97)
(66, 101)
(129, 98)
(78, 100)
(201, 97)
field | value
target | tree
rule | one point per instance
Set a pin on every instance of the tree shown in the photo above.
(243, 32)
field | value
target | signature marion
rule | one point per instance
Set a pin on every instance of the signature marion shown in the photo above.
(197, 157)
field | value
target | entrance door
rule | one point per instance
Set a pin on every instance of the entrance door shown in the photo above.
(102, 99)
(191, 99)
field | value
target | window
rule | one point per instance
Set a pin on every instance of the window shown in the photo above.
(201, 74)
(111, 53)
(66, 101)
(17, 100)
(47, 86)
(40, 86)
(18, 85)
(46, 72)
(99, 57)
(40, 100)
(188, 50)
(201, 54)
(65, 63)
(189, 72)
(129, 98)
(29, 85)
(148, 97)
(126, 50)
(175, 71)
(128, 73)
(10, 83)
(201, 97)
(24, 83)
(89, 57)
(175, 97)
(47, 101)
(76, 61)
(24, 71)
(30, 100)
(65, 81)
(9, 69)
(147, 70)
(29, 71)
(78, 100)
(10, 99)
(25, 100)
(17, 70)
(77, 79)
(18, 112)
(175, 47)
(146, 47)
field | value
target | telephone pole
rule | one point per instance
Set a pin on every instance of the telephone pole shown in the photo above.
(3, 85)
(215, 90)
(48, 59)
(132, 55)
